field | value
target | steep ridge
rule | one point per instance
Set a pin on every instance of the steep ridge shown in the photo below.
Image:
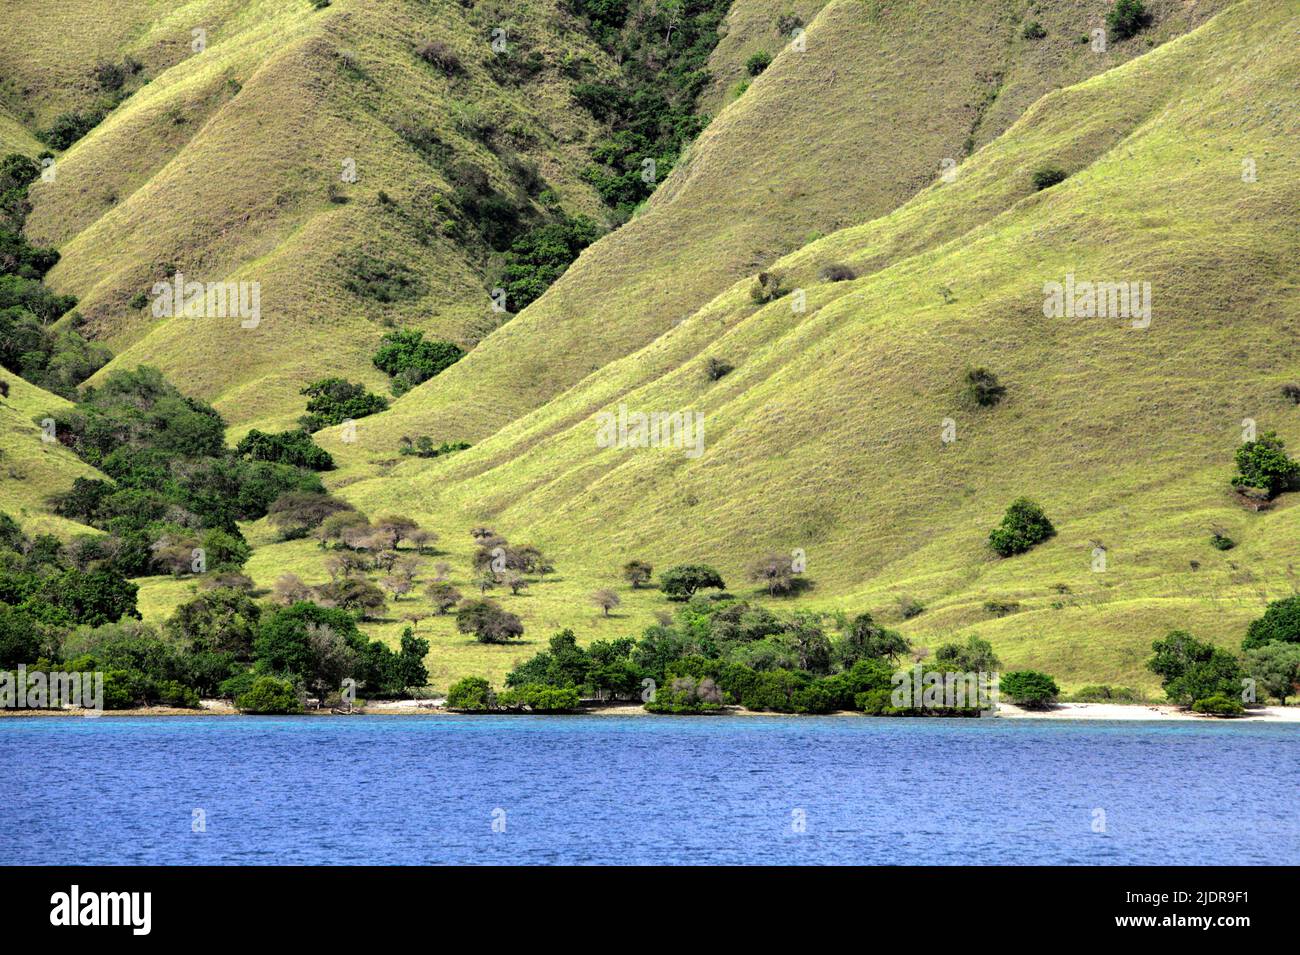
(827, 435)
(841, 131)
(229, 166)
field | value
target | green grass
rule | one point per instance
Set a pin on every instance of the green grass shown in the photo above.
(827, 435)
(222, 167)
(32, 470)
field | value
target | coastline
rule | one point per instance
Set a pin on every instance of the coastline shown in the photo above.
(1119, 712)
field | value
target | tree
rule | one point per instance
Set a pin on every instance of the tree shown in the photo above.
(410, 360)
(637, 572)
(681, 582)
(1280, 624)
(1275, 669)
(75, 597)
(319, 645)
(1126, 18)
(442, 595)
(296, 513)
(1029, 688)
(409, 670)
(606, 600)
(332, 401)
(488, 622)
(1023, 526)
(471, 693)
(353, 594)
(1264, 464)
(294, 448)
(864, 640)
(514, 580)
(974, 656)
(219, 621)
(1192, 669)
(268, 696)
(776, 572)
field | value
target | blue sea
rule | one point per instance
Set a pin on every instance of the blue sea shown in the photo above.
(642, 790)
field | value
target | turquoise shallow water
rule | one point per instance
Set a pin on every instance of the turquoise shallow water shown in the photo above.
(591, 790)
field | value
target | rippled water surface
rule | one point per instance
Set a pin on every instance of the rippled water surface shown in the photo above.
(646, 790)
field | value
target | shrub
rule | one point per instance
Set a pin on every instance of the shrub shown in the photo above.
(1218, 705)
(439, 54)
(1101, 693)
(539, 698)
(910, 607)
(1029, 688)
(410, 360)
(983, 387)
(473, 693)
(1291, 393)
(681, 582)
(488, 621)
(758, 62)
(68, 127)
(1263, 464)
(1033, 31)
(837, 272)
(767, 287)
(637, 572)
(1126, 18)
(295, 448)
(1047, 176)
(1001, 608)
(1023, 526)
(381, 281)
(1221, 541)
(1280, 624)
(334, 400)
(269, 695)
(788, 22)
(716, 368)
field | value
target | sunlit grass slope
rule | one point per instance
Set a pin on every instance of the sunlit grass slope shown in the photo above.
(827, 436)
(31, 469)
(228, 166)
(842, 131)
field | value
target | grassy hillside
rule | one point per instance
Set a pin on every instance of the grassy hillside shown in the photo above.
(827, 436)
(843, 429)
(841, 132)
(228, 166)
(32, 470)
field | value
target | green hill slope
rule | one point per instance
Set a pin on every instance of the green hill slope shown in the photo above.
(31, 469)
(229, 166)
(827, 436)
(839, 132)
